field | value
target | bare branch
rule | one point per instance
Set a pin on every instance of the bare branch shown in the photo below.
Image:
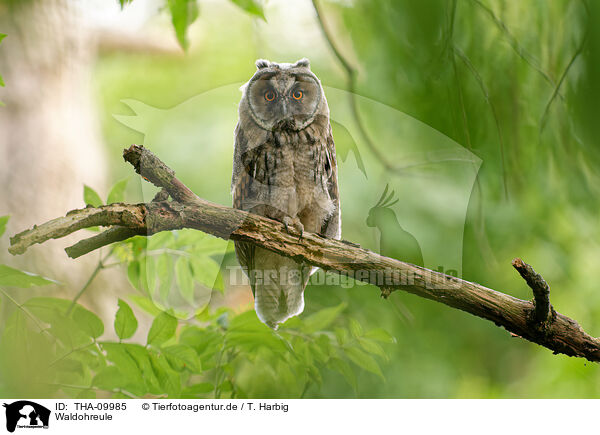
(112, 235)
(541, 290)
(155, 171)
(560, 333)
(115, 214)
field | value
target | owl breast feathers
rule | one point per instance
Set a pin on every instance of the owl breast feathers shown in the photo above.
(284, 168)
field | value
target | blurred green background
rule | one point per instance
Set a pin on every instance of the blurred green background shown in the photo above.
(510, 86)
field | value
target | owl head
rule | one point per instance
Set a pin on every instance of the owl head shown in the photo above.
(283, 96)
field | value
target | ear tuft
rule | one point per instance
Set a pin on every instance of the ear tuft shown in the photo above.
(304, 62)
(262, 63)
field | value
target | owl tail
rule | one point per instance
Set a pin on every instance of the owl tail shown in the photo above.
(278, 285)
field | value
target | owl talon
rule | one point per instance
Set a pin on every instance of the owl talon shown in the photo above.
(294, 223)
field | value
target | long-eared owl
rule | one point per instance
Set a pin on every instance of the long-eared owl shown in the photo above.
(284, 168)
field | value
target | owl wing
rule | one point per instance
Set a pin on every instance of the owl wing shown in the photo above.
(332, 226)
(241, 183)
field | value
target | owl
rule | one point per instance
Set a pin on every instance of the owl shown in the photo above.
(284, 168)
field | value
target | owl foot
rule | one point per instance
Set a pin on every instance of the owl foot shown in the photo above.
(290, 222)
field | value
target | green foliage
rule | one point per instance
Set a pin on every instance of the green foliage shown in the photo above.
(176, 270)
(11, 277)
(216, 357)
(162, 329)
(3, 222)
(251, 6)
(117, 192)
(125, 322)
(218, 353)
(90, 197)
(183, 14)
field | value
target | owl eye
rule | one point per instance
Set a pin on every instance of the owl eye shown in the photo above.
(269, 95)
(297, 94)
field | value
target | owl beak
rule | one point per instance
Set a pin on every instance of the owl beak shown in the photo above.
(284, 109)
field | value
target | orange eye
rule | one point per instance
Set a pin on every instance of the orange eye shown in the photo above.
(297, 94)
(269, 95)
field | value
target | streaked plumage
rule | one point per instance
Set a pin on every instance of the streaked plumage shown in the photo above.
(284, 168)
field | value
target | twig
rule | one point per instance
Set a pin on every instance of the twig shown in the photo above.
(486, 95)
(514, 43)
(541, 290)
(561, 335)
(560, 82)
(117, 214)
(97, 270)
(31, 316)
(112, 235)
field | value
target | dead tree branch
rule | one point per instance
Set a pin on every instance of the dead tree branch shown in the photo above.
(541, 290)
(523, 318)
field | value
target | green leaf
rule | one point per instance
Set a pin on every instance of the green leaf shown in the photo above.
(161, 240)
(125, 322)
(202, 388)
(355, 328)
(206, 270)
(133, 273)
(69, 365)
(130, 375)
(3, 222)
(123, 3)
(183, 14)
(109, 378)
(169, 379)
(86, 394)
(87, 321)
(148, 274)
(117, 192)
(146, 304)
(322, 319)
(2, 36)
(341, 366)
(142, 357)
(209, 245)
(205, 342)
(17, 278)
(90, 197)
(373, 347)
(185, 281)
(342, 336)
(1, 82)
(252, 7)
(322, 348)
(163, 327)
(181, 356)
(52, 310)
(363, 360)
(381, 335)
(164, 269)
